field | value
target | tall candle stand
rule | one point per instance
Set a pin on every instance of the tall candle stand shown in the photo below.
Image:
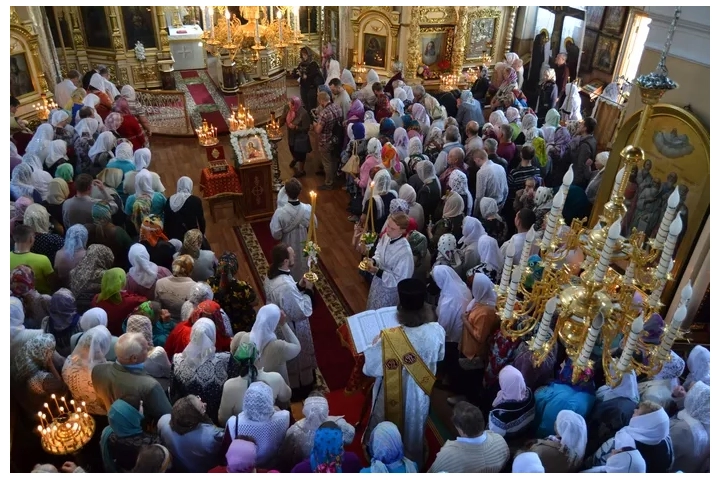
(275, 136)
(311, 249)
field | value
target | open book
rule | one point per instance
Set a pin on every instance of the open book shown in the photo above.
(365, 326)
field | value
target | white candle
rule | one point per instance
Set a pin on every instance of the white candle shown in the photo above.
(667, 219)
(669, 247)
(631, 343)
(629, 274)
(507, 267)
(529, 239)
(280, 27)
(606, 257)
(227, 18)
(590, 340)
(552, 219)
(659, 287)
(544, 333)
(618, 182)
(686, 293)
(672, 331)
(512, 293)
(567, 180)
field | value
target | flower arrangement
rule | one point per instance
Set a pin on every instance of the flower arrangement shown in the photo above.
(368, 238)
(140, 51)
(311, 250)
(444, 65)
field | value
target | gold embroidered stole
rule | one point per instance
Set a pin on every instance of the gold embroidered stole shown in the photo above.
(398, 352)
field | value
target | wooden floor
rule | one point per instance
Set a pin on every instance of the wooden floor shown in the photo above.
(173, 158)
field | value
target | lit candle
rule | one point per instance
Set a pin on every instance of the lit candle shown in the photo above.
(56, 402)
(42, 422)
(544, 333)
(529, 239)
(48, 409)
(630, 344)
(669, 247)
(552, 219)
(668, 218)
(659, 287)
(606, 255)
(65, 403)
(671, 333)
(567, 180)
(227, 19)
(512, 292)
(311, 232)
(507, 267)
(618, 182)
(590, 340)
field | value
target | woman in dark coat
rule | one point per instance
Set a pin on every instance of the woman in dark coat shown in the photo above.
(310, 77)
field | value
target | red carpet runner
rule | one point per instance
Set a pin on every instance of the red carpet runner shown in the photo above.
(204, 100)
(334, 361)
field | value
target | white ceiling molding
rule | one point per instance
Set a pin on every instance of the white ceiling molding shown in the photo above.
(692, 35)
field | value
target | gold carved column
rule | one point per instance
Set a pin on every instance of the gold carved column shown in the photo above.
(162, 26)
(117, 40)
(413, 48)
(458, 54)
(510, 29)
(79, 41)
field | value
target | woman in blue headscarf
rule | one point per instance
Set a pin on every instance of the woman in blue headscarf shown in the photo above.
(562, 394)
(387, 451)
(122, 440)
(62, 321)
(328, 455)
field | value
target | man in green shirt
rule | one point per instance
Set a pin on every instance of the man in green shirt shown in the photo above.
(24, 237)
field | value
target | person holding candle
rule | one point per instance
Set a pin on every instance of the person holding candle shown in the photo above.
(291, 222)
(91, 350)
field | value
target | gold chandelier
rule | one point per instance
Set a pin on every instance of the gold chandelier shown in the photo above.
(599, 305)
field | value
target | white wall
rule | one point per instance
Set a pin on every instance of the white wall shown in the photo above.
(692, 35)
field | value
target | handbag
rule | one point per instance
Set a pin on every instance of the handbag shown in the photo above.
(352, 166)
(301, 143)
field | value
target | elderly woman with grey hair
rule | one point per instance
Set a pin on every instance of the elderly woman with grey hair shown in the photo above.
(596, 176)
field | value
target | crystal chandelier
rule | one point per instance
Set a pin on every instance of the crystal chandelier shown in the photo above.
(599, 304)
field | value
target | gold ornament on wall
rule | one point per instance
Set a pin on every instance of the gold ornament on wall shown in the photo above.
(458, 53)
(482, 34)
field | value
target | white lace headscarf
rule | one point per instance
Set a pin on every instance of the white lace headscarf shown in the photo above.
(529, 127)
(400, 93)
(91, 349)
(142, 270)
(40, 178)
(41, 140)
(454, 297)
(198, 294)
(426, 172)
(497, 118)
(400, 142)
(92, 318)
(333, 71)
(367, 93)
(382, 184)
(698, 362)
(398, 105)
(37, 217)
(316, 411)
(512, 115)
(572, 430)
(458, 183)
(697, 415)
(124, 151)
(104, 143)
(483, 292)
(87, 126)
(184, 191)
(258, 403)
(57, 117)
(263, 330)
(627, 388)
(202, 343)
(472, 230)
(631, 461)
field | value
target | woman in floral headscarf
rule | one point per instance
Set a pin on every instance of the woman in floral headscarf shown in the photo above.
(300, 437)
(34, 374)
(173, 291)
(104, 232)
(115, 300)
(201, 369)
(387, 451)
(86, 277)
(328, 455)
(158, 246)
(91, 350)
(204, 261)
(22, 286)
(62, 321)
(234, 296)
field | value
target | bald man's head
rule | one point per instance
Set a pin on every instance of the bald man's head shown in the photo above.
(472, 129)
(456, 156)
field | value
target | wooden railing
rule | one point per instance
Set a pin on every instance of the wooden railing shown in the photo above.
(166, 111)
(265, 96)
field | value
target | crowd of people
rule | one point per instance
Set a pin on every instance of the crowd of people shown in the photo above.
(118, 301)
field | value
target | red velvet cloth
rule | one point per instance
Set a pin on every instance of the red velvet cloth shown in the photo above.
(213, 184)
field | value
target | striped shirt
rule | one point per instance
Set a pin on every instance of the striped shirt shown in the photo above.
(486, 454)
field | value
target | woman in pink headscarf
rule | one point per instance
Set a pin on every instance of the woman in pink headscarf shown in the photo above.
(514, 406)
(298, 125)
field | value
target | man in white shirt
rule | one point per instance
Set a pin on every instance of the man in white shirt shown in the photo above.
(524, 219)
(342, 99)
(490, 181)
(110, 87)
(64, 89)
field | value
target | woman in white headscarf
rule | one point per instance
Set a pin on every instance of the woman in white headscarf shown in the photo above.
(698, 363)
(19, 335)
(90, 351)
(458, 183)
(300, 437)
(469, 110)
(41, 140)
(183, 211)
(92, 318)
(136, 109)
(527, 462)
(613, 409)
(93, 101)
(380, 190)
(472, 230)
(102, 151)
(564, 451)
(480, 320)
(273, 353)
(490, 218)
(571, 107)
(143, 274)
(400, 142)
(57, 155)
(199, 370)
(348, 81)
(398, 109)
(528, 130)
(415, 210)
(664, 388)
(59, 120)
(596, 176)
(46, 243)
(141, 158)
(367, 94)
(690, 431)
(40, 178)
(333, 71)
(372, 127)
(448, 253)
(429, 194)
(103, 107)
(625, 461)
(454, 298)
(145, 201)
(157, 363)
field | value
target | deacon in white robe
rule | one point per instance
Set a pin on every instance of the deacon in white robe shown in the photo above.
(393, 262)
(290, 224)
(427, 338)
(295, 299)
